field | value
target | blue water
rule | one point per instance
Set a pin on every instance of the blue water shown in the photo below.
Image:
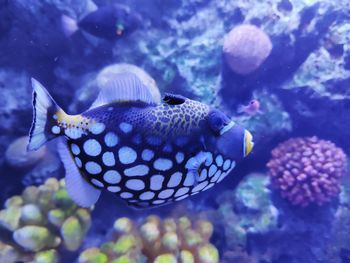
(292, 57)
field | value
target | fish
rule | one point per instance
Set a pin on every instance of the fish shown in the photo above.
(109, 22)
(251, 109)
(146, 150)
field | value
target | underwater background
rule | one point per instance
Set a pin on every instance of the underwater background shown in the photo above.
(288, 201)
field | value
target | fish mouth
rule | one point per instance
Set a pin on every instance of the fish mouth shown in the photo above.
(248, 143)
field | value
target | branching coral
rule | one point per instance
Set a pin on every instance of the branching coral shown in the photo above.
(42, 219)
(155, 240)
(307, 170)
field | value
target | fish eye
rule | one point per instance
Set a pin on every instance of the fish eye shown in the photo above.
(217, 120)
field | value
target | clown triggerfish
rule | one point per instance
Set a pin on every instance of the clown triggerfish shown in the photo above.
(146, 151)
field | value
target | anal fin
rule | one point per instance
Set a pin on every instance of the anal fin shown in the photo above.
(82, 193)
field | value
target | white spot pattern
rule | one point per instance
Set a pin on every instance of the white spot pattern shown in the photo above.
(182, 191)
(127, 155)
(97, 182)
(175, 179)
(212, 170)
(162, 164)
(125, 127)
(126, 195)
(137, 170)
(147, 155)
(92, 147)
(200, 186)
(75, 149)
(93, 168)
(97, 128)
(216, 176)
(208, 186)
(157, 182)
(147, 196)
(112, 177)
(111, 139)
(108, 159)
(78, 162)
(219, 160)
(73, 133)
(179, 157)
(227, 164)
(55, 129)
(209, 159)
(233, 164)
(189, 180)
(113, 189)
(165, 193)
(135, 184)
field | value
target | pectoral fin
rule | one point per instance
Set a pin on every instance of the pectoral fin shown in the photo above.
(82, 193)
(194, 164)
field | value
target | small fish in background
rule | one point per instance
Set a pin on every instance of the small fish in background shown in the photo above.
(146, 151)
(109, 22)
(251, 109)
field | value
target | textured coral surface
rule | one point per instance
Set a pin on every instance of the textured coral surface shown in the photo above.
(307, 170)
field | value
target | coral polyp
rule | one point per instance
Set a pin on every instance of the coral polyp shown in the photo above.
(156, 240)
(307, 170)
(41, 220)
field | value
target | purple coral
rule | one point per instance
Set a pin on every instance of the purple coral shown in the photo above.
(307, 170)
(245, 48)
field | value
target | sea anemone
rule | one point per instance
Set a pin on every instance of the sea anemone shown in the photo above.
(307, 170)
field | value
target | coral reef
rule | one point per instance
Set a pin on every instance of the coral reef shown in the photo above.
(245, 48)
(307, 170)
(246, 211)
(338, 249)
(257, 226)
(156, 240)
(40, 221)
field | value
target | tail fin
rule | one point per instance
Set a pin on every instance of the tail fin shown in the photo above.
(69, 25)
(44, 126)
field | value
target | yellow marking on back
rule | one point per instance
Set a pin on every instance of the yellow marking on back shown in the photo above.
(73, 121)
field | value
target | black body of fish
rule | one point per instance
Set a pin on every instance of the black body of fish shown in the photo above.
(103, 22)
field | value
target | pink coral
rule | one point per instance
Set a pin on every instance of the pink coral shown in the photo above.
(307, 170)
(245, 48)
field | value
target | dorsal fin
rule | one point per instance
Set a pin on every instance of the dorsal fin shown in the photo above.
(125, 83)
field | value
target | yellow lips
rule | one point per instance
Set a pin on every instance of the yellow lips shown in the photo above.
(248, 143)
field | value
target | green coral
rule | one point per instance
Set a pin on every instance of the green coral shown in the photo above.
(92, 255)
(247, 210)
(48, 256)
(40, 221)
(156, 240)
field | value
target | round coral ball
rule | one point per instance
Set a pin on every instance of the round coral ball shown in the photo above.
(245, 48)
(307, 170)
